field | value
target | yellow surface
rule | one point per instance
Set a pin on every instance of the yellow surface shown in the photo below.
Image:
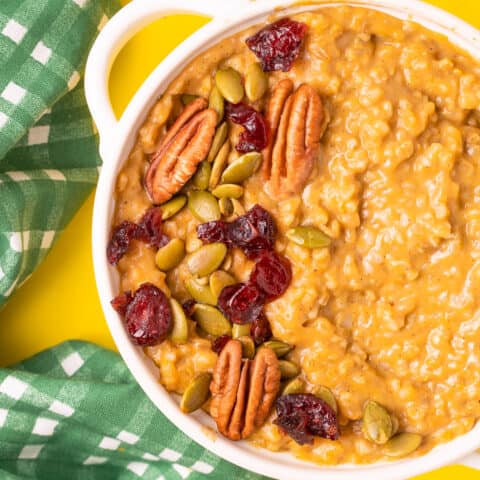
(60, 301)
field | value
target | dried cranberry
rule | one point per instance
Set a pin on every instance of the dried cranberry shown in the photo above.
(148, 316)
(253, 232)
(150, 228)
(220, 342)
(188, 307)
(260, 330)
(304, 416)
(277, 45)
(255, 136)
(120, 240)
(241, 303)
(215, 231)
(272, 274)
(120, 302)
(149, 231)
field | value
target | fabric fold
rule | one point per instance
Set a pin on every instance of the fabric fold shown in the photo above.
(49, 157)
(75, 412)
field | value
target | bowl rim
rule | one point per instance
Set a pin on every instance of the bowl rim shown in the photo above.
(196, 426)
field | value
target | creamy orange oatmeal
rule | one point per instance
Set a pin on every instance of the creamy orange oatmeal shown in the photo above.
(382, 307)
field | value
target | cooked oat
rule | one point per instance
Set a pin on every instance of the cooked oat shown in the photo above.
(391, 311)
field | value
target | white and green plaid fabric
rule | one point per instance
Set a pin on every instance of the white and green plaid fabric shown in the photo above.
(75, 412)
(72, 412)
(48, 145)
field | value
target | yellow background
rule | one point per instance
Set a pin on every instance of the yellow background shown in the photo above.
(60, 301)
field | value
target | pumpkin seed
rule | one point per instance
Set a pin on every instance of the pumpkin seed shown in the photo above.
(309, 237)
(229, 82)
(216, 102)
(238, 208)
(256, 82)
(228, 190)
(170, 256)
(327, 396)
(202, 280)
(226, 206)
(240, 330)
(242, 168)
(187, 98)
(296, 385)
(218, 281)
(280, 348)
(248, 347)
(377, 424)
(206, 259)
(204, 206)
(228, 262)
(173, 206)
(217, 142)
(288, 369)
(200, 293)
(219, 165)
(211, 320)
(402, 444)
(179, 333)
(196, 394)
(201, 178)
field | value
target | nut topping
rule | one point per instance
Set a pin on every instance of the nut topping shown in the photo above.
(296, 122)
(187, 114)
(264, 387)
(243, 392)
(185, 145)
(225, 383)
(237, 420)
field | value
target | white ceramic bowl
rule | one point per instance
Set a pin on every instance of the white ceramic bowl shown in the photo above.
(116, 141)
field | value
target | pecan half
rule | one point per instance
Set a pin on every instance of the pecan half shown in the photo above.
(243, 391)
(264, 386)
(224, 386)
(185, 145)
(296, 121)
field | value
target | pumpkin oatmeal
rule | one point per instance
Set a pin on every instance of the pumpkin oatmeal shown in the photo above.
(297, 233)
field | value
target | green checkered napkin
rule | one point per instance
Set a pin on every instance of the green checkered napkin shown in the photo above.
(48, 145)
(75, 412)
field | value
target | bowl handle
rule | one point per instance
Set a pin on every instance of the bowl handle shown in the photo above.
(472, 461)
(124, 25)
